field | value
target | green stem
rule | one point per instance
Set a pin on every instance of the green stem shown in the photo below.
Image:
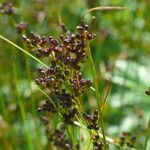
(2, 106)
(89, 143)
(147, 136)
(71, 134)
(97, 94)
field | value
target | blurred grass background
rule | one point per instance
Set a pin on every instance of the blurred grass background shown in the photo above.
(120, 50)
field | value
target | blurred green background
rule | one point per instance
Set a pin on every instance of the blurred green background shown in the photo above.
(121, 52)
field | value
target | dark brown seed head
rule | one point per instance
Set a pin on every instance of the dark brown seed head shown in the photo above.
(147, 92)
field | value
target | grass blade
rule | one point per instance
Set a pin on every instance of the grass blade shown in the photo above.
(147, 136)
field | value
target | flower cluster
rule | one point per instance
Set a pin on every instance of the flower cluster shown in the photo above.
(68, 117)
(47, 106)
(98, 145)
(78, 83)
(127, 139)
(72, 50)
(147, 92)
(63, 77)
(92, 121)
(21, 26)
(6, 8)
(59, 139)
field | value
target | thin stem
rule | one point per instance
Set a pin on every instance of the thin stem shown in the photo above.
(2, 105)
(107, 92)
(89, 143)
(147, 136)
(97, 95)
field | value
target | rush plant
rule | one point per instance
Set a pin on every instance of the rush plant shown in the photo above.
(63, 83)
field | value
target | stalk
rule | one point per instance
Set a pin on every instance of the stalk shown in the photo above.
(147, 136)
(97, 94)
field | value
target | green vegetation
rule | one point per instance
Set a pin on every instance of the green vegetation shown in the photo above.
(74, 90)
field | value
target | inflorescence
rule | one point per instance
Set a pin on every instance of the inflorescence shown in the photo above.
(6, 8)
(59, 138)
(65, 82)
(92, 121)
(63, 78)
(147, 92)
(127, 139)
(21, 26)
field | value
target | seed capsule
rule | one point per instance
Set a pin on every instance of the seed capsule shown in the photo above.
(147, 92)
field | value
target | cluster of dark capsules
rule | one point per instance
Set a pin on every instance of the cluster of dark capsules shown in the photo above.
(78, 83)
(147, 92)
(6, 8)
(92, 121)
(72, 50)
(59, 139)
(126, 139)
(47, 106)
(98, 145)
(21, 26)
(62, 78)
(69, 117)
